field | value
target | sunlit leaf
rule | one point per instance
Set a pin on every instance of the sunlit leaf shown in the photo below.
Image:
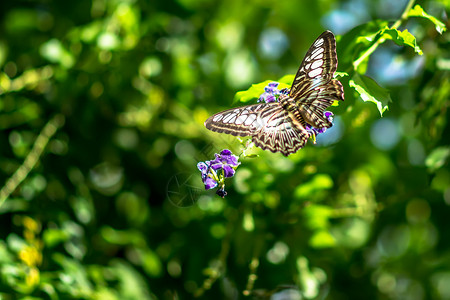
(309, 281)
(354, 42)
(317, 216)
(418, 11)
(317, 183)
(402, 38)
(252, 93)
(322, 239)
(258, 88)
(53, 236)
(370, 91)
(54, 51)
(437, 158)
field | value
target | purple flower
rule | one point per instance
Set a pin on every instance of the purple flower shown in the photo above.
(215, 171)
(315, 131)
(207, 175)
(209, 183)
(271, 93)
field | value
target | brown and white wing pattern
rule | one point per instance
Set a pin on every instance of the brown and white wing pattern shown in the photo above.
(281, 133)
(281, 126)
(240, 121)
(269, 124)
(314, 88)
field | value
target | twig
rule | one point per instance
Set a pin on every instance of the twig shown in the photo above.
(32, 158)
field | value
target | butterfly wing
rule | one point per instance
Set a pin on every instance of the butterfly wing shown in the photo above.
(314, 88)
(269, 124)
(240, 121)
(281, 132)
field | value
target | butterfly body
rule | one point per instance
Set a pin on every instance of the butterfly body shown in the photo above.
(282, 126)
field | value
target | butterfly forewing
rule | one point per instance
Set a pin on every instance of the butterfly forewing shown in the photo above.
(280, 126)
(317, 67)
(314, 87)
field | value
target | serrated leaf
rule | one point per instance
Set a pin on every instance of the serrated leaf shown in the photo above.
(340, 74)
(369, 90)
(402, 38)
(418, 11)
(437, 158)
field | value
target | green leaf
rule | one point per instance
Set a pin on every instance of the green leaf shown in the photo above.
(317, 183)
(356, 41)
(253, 92)
(322, 239)
(258, 88)
(286, 81)
(309, 279)
(317, 216)
(369, 90)
(418, 11)
(402, 38)
(437, 158)
(54, 51)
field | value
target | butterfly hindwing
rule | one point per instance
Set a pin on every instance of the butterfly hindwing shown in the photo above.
(280, 134)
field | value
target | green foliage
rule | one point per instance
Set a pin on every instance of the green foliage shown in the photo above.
(370, 91)
(102, 105)
(418, 11)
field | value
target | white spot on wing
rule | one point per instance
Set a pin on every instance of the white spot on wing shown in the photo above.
(250, 119)
(317, 51)
(228, 117)
(217, 117)
(318, 42)
(317, 64)
(315, 72)
(240, 120)
(318, 56)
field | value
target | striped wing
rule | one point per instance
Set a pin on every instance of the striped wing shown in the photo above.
(314, 88)
(280, 126)
(269, 124)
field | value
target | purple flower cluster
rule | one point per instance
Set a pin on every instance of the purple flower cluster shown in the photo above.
(272, 93)
(215, 171)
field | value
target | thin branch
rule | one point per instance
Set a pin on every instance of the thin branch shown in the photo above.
(32, 158)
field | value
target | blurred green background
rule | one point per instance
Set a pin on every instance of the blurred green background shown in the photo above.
(102, 105)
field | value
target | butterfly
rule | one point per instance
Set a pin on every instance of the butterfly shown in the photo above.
(282, 126)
